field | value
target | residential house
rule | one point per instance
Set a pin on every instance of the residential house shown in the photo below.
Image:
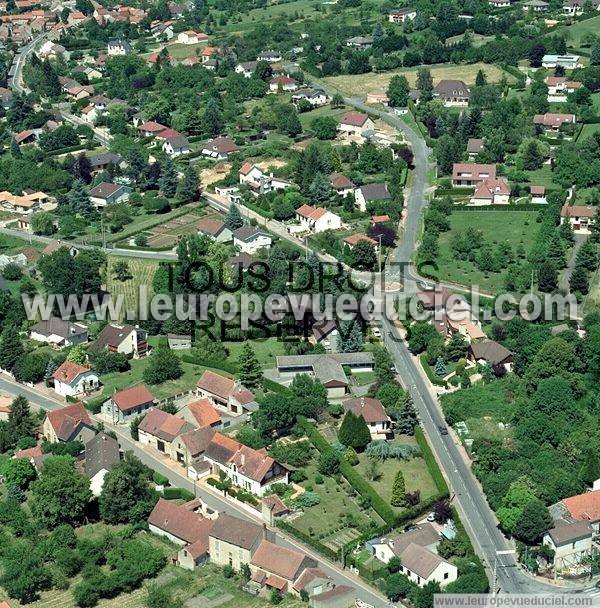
(338, 597)
(313, 581)
(355, 123)
(125, 339)
(276, 567)
(326, 333)
(270, 56)
(179, 341)
(6, 97)
(214, 228)
(491, 192)
(26, 137)
(350, 242)
(220, 148)
(107, 193)
(492, 353)
(70, 423)
(252, 470)
(250, 239)
(158, 429)
(576, 7)
(499, 3)
(315, 97)
(58, 332)
(225, 393)
(126, 404)
(191, 37)
(201, 414)
(386, 548)
(5, 403)
(118, 47)
(176, 145)
(151, 129)
(559, 87)
(454, 93)
(103, 162)
(162, 30)
(580, 508)
(536, 6)
(471, 174)
(101, 453)
(317, 219)
(283, 83)
(207, 56)
(474, 147)
(538, 194)
(189, 447)
(400, 15)
(341, 184)
(571, 544)
(422, 566)
(328, 369)
(72, 379)
(184, 527)
(258, 181)
(371, 192)
(55, 245)
(374, 414)
(580, 217)
(553, 122)
(233, 541)
(360, 42)
(567, 61)
(246, 68)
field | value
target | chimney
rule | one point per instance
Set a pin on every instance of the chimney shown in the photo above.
(243, 459)
(264, 526)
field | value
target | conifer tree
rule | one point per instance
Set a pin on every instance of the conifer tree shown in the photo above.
(168, 178)
(399, 491)
(250, 369)
(233, 219)
(11, 347)
(354, 432)
(188, 188)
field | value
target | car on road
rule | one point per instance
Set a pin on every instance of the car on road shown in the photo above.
(443, 430)
(431, 516)
(376, 332)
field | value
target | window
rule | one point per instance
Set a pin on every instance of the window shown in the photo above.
(446, 575)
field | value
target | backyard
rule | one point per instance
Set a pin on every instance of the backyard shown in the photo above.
(518, 228)
(141, 272)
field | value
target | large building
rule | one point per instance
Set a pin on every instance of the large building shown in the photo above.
(233, 541)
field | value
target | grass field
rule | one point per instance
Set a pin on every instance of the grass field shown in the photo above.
(541, 177)
(415, 473)
(142, 273)
(516, 227)
(359, 86)
(576, 31)
(11, 245)
(183, 51)
(588, 131)
(266, 350)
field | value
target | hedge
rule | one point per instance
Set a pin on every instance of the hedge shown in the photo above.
(430, 374)
(379, 505)
(308, 540)
(225, 366)
(432, 465)
(500, 208)
(174, 493)
(159, 479)
(94, 405)
(275, 387)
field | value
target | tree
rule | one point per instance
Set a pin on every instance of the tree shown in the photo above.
(324, 127)
(350, 338)
(595, 55)
(398, 491)
(61, 494)
(126, 496)
(20, 421)
(19, 472)
(11, 347)
(329, 463)
(12, 272)
(250, 369)
(24, 574)
(442, 511)
(168, 178)
(121, 271)
(421, 334)
(440, 368)
(532, 156)
(188, 190)
(78, 199)
(354, 432)
(212, 119)
(163, 365)
(233, 219)
(533, 522)
(424, 85)
(42, 222)
(547, 277)
(309, 396)
(536, 54)
(363, 255)
(579, 280)
(337, 101)
(398, 91)
(590, 471)
(77, 355)
(398, 586)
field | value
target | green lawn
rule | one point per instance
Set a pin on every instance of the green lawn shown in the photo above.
(266, 350)
(11, 245)
(576, 31)
(588, 131)
(516, 227)
(541, 177)
(306, 118)
(416, 474)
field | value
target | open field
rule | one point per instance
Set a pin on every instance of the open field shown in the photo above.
(142, 273)
(266, 350)
(166, 236)
(416, 474)
(183, 51)
(588, 131)
(541, 177)
(576, 31)
(515, 227)
(362, 84)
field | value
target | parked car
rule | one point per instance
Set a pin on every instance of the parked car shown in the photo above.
(443, 430)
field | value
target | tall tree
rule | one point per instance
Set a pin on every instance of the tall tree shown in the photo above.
(250, 369)
(168, 178)
(354, 432)
(20, 421)
(78, 198)
(398, 491)
(233, 219)
(11, 347)
(212, 119)
(424, 85)
(189, 190)
(398, 91)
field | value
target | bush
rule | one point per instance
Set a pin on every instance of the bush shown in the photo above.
(172, 493)
(159, 479)
(329, 463)
(307, 499)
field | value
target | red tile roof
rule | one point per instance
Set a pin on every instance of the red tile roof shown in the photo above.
(163, 425)
(488, 187)
(67, 420)
(180, 522)
(68, 371)
(476, 171)
(33, 452)
(204, 413)
(216, 384)
(370, 409)
(584, 506)
(280, 561)
(354, 239)
(578, 211)
(553, 120)
(132, 397)
(311, 213)
(355, 119)
(153, 127)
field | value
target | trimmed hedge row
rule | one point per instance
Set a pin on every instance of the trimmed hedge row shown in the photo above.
(159, 479)
(430, 374)
(174, 493)
(94, 405)
(501, 208)
(275, 387)
(226, 366)
(432, 465)
(379, 505)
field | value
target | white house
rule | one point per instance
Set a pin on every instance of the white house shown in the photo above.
(374, 414)
(491, 192)
(107, 193)
(176, 146)
(316, 98)
(258, 181)
(422, 566)
(58, 332)
(401, 15)
(371, 192)
(125, 339)
(72, 379)
(249, 239)
(355, 123)
(252, 470)
(568, 61)
(559, 87)
(128, 403)
(101, 453)
(580, 217)
(285, 83)
(191, 37)
(118, 47)
(317, 219)
(246, 68)
(571, 543)
(538, 195)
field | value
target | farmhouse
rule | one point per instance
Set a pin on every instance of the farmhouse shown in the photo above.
(355, 123)
(454, 93)
(233, 541)
(72, 379)
(226, 393)
(128, 403)
(220, 148)
(371, 192)
(70, 423)
(471, 174)
(251, 470)
(374, 414)
(317, 219)
(59, 333)
(580, 217)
